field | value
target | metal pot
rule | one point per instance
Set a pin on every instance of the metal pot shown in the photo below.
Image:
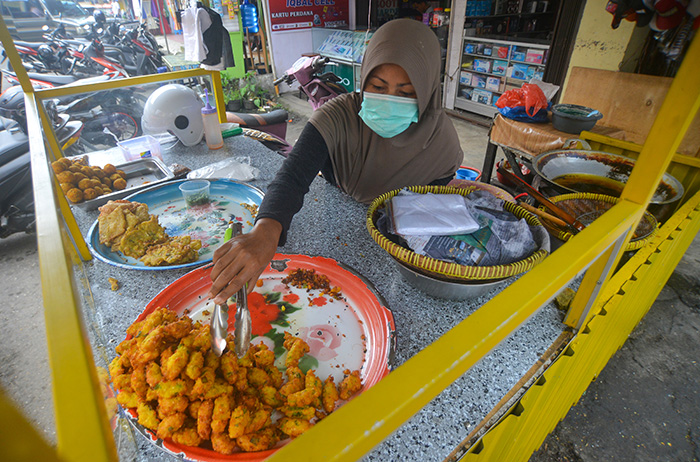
(583, 171)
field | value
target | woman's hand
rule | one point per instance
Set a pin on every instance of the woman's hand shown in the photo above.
(242, 259)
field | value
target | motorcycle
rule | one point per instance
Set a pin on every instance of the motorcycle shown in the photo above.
(319, 88)
(108, 116)
(270, 128)
(16, 194)
(141, 52)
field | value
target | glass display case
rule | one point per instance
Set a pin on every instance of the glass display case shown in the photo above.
(345, 48)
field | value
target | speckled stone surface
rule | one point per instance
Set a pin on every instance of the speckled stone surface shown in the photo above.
(332, 225)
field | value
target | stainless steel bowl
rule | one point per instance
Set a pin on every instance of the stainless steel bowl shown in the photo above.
(445, 289)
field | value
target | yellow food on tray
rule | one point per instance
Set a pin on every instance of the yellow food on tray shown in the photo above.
(181, 390)
(81, 182)
(127, 227)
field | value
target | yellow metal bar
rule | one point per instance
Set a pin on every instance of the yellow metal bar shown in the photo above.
(628, 296)
(127, 82)
(77, 396)
(358, 426)
(18, 438)
(675, 115)
(50, 138)
(73, 228)
(634, 147)
(49, 135)
(580, 312)
(11, 52)
(219, 94)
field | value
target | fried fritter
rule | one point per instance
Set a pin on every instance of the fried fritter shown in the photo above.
(170, 425)
(350, 385)
(330, 394)
(294, 427)
(176, 251)
(137, 240)
(296, 348)
(263, 440)
(116, 217)
(187, 436)
(75, 195)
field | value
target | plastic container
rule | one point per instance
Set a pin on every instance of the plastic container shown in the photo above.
(572, 118)
(212, 127)
(249, 17)
(195, 192)
(140, 148)
(468, 173)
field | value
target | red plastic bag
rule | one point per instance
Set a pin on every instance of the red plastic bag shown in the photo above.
(529, 96)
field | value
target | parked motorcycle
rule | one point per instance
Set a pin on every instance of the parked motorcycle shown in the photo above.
(108, 116)
(319, 88)
(16, 194)
(140, 49)
(270, 128)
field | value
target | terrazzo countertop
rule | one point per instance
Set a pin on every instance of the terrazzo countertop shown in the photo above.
(331, 224)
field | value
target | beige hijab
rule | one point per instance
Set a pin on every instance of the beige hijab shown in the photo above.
(367, 165)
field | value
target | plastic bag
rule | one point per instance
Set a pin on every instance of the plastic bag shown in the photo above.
(234, 168)
(527, 104)
(430, 215)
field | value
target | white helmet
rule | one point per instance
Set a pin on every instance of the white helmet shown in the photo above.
(176, 109)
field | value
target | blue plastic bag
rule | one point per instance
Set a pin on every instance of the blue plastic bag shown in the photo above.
(518, 113)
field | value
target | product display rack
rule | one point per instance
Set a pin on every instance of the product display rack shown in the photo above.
(527, 19)
(490, 67)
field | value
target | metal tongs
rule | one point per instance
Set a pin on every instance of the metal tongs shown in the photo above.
(218, 327)
(244, 324)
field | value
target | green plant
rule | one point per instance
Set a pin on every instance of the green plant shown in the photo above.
(232, 95)
(252, 90)
(231, 88)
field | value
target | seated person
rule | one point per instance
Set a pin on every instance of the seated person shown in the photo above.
(393, 134)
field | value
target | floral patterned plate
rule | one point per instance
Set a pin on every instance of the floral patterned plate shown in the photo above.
(207, 222)
(355, 331)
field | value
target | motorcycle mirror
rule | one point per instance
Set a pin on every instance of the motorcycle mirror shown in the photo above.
(100, 30)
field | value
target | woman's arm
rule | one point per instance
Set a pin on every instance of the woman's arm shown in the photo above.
(242, 259)
(285, 194)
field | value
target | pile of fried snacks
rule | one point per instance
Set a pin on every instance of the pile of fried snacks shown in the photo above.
(81, 182)
(181, 390)
(127, 227)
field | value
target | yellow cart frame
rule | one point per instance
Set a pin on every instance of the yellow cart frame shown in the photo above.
(605, 309)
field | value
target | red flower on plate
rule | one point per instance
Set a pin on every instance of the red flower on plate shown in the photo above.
(291, 298)
(318, 301)
(323, 340)
(261, 313)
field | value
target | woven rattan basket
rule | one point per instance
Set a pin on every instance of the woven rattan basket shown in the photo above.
(586, 207)
(452, 271)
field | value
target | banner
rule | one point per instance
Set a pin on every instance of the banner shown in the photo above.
(302, 14)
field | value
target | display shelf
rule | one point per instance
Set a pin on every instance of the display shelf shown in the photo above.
(515, 63)
(477, 108)
(516, 18)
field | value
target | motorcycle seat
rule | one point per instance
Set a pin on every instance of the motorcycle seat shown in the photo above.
(32, 45)
(74, 42)
(14, 143)
(276, 116)
(52, 78)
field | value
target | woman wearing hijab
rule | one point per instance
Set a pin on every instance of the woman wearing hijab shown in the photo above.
(394, 134)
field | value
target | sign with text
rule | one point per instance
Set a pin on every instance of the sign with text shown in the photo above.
(301, 14)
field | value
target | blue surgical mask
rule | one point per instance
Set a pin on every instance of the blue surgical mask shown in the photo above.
(388, 115)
